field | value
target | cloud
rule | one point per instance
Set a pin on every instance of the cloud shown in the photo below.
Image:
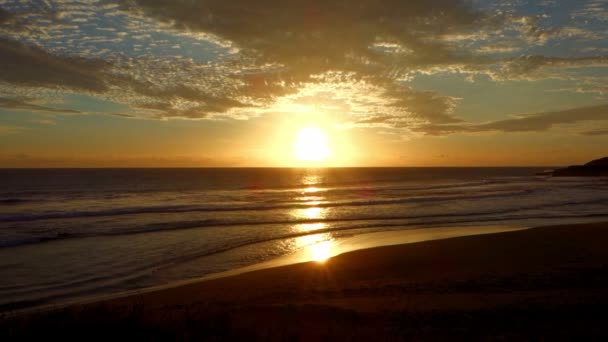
(285, 47)
(313, 37)
(297, 39)
(356, 102)
(524, 123)
(43, 121)
(177, 89)
(39, 20)
(596, 132)
(382, 41)
(531, 30)
(594, 9)
(31, 66)
(5, 16)
(535, 67)
(260, 54)
(424, 105)
(17, 104)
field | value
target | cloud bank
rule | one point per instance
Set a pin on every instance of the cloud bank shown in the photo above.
(526, 123)
(213, 59)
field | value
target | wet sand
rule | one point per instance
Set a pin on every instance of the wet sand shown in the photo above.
(547, 282)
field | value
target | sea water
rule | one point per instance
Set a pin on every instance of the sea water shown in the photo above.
(66, 233)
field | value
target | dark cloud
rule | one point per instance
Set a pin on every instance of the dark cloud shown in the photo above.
(544, 121)
(39, 20)
(379, 41)
(17, 104)
(167, 99)
(524, 123)
(31, 66)
(313, 32)
(5, 16)
(314, 36)
(424, 105)
(408, 108)
(283, 47)
(166, 110)
(597, 132)
(530, 67)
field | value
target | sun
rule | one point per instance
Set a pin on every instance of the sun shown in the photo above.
(310, 145)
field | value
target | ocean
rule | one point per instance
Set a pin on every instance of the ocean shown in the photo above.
(69, 233)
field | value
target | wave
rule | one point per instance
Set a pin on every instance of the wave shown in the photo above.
(254, 207)
(13, 201)
(327, 188)
(146, 269)
(18, 241)
(372, 185)
(367, 221)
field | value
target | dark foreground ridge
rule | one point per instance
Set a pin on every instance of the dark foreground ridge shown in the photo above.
(595, 168)
(547, 283)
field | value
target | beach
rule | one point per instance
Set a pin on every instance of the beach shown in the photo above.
(369, 170)
(546, 282)
(67, 234)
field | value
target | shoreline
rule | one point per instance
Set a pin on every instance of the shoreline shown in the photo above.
(342, 245)
(543, 282)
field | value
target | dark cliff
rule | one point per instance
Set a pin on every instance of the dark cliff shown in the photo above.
(595, 168)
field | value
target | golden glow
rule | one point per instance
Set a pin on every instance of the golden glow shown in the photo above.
(309, 227)
(310, 180)
(311, 145)
(321, 251)
(312, 213)
(318, 247)
(311, 139)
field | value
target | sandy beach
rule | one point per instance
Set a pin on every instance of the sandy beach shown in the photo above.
(546, 282)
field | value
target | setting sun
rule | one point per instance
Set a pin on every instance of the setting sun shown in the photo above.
(311, 145)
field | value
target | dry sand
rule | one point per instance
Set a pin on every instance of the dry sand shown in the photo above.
(548, 282)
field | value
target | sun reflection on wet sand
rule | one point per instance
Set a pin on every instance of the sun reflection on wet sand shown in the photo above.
(317, 246)
(321, 251)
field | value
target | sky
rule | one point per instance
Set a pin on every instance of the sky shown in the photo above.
(234, 83)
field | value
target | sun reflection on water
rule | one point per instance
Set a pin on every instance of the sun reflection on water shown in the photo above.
(311, 180)
(310, 227)
(316, 247)
(311, 189)
(310, 200)
(311, 213)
